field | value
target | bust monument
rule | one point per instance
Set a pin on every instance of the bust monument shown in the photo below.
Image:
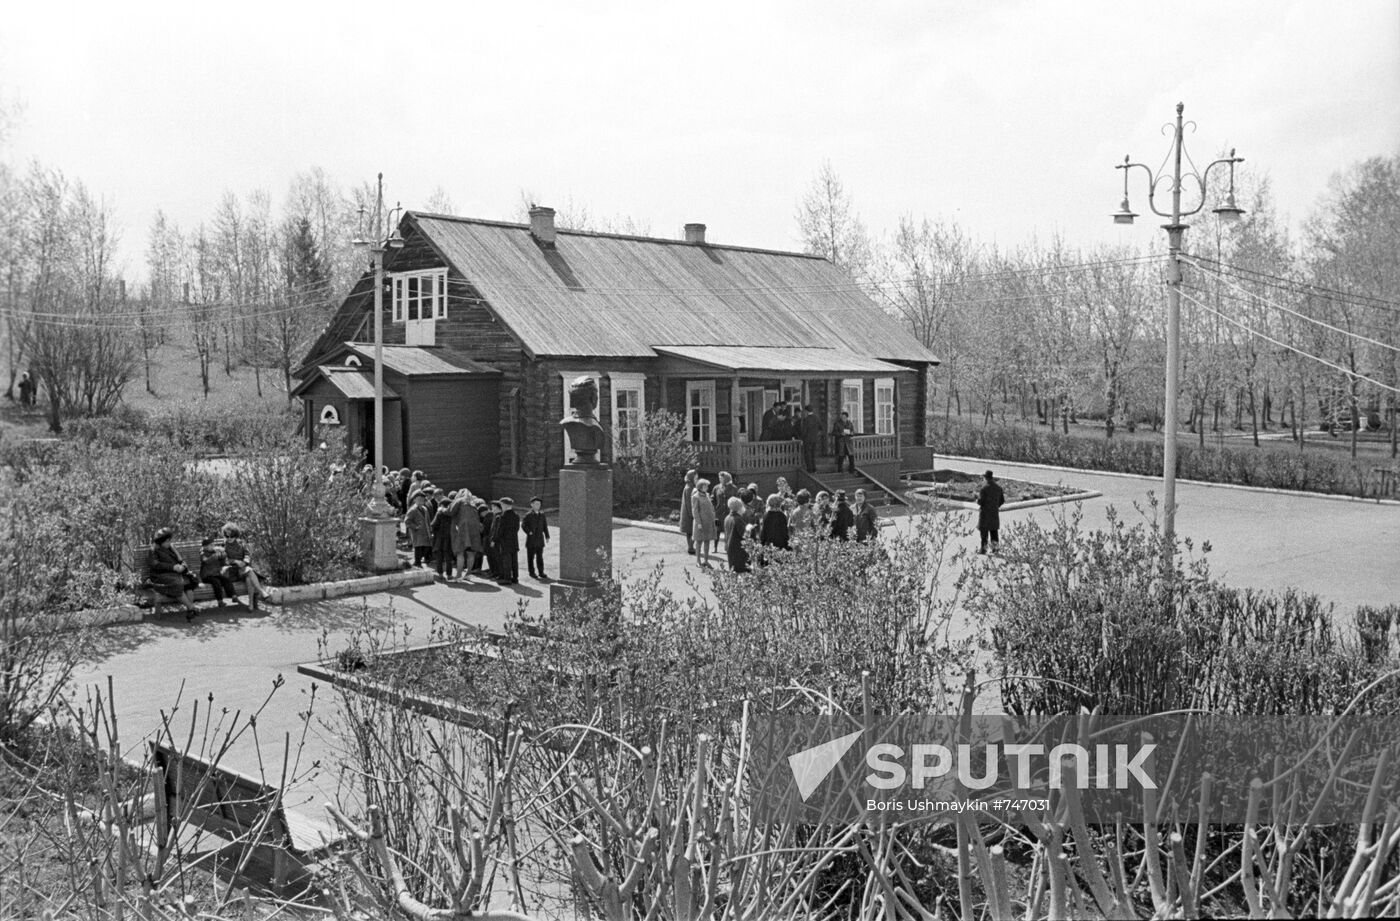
(581, 424)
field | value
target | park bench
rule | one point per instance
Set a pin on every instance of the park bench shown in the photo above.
(266, 843)
(189, 553)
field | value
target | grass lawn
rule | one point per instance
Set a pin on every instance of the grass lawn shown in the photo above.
(175, 382)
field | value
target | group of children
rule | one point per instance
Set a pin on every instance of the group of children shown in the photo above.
(457, 527)
(771, 521)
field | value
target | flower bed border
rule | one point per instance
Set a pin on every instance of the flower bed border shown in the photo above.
(291, 594)
(426, 704)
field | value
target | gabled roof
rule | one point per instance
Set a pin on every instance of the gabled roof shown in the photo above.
(598, 294)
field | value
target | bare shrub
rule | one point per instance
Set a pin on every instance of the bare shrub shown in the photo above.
(652, 470)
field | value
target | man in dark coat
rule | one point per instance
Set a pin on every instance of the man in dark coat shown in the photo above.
(536, 528)
(770, 422)
(490, 549)
(841, 434)
(844, 519)
(505, 535)
(989, 501)
(810, 431)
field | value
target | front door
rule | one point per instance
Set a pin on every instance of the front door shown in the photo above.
(366, 427)
(750, 415)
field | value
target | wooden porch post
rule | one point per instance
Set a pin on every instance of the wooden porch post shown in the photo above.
(898, 447)
(733, 431)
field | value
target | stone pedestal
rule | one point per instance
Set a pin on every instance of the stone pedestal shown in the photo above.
(378, 537)
(585, 531)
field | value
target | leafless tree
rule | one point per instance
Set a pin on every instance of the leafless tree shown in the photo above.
(830, 227)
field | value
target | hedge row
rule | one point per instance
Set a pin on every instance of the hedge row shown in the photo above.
(1311, 471)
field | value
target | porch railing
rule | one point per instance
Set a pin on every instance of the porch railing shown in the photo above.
(713, 455)
(745, 456)
(875, 448)
(769, 455)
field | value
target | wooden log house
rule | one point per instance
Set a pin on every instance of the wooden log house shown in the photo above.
(486, 322)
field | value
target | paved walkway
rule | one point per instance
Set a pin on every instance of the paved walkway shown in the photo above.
(1348, 552)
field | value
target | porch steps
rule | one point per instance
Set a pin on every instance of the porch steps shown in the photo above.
(875, 494)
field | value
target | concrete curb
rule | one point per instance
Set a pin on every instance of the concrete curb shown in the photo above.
(649, 525)
(1014, 506)
(1155, 479)
(321, 591)
(293, 594)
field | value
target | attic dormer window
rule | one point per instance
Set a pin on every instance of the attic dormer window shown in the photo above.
(420, 299)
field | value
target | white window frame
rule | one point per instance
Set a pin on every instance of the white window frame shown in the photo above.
(627, 382)
(794, 383)
(884, 408)
(352, 361)
(437, 296)
(856, 409)
(329, 415)
(708, 426)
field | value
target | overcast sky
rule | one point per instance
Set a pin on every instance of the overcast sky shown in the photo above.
(1007, 117)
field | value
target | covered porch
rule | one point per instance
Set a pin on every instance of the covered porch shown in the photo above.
(727, 393)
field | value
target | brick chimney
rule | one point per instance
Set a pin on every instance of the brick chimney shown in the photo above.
(695, 233)
(542, 224)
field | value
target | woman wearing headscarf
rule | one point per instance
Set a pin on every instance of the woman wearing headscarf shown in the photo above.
(169, 577)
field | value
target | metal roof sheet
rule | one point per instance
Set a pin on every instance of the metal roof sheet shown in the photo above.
(422, 360)
(614, 295)
(356, 385)
(796, 359)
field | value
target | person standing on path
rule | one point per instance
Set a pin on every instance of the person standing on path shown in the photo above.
(26, 390)
(734, 527)
(726, 490)
(702, 512)
(536, 528)
(843, 520)
(420, 533)
(688, 516)
(867, 520)
(773, 527)
(440, 527)
(507, 540)
(990, 499)
(841, 434)
(466, 532)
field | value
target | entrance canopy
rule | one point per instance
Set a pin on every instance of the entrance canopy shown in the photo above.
(352, 383)
(777, 361)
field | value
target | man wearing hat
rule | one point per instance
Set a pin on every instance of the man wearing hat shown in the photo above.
(990, 499)
(505, 534)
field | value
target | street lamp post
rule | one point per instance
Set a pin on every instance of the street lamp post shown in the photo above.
(1175, 232)
(380, 546)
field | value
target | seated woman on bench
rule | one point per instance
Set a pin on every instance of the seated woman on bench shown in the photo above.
(239, 567)
(169, 577)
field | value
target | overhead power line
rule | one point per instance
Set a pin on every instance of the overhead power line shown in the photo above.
(1288, 310)
(1255, 276)
(1284, 345)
